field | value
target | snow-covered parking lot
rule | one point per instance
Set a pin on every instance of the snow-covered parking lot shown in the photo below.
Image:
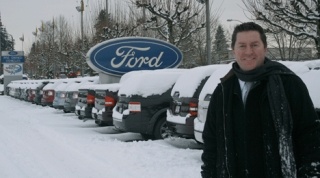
(39, 142)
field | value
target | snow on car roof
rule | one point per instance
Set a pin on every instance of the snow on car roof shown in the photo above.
(150, 83)
(188, 82)
(309, 79)
(213, 80)
(64, 85)
(82, 82)
(114, 87)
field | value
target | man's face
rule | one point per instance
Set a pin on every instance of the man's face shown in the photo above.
(249, 50)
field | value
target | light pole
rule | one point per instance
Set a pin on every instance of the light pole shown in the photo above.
(81, 9)
(22, 40)
(35, 39)
(107, 12)
(208, 36)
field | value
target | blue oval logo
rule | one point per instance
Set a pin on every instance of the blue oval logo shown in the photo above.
(12, 52)
(122, 55)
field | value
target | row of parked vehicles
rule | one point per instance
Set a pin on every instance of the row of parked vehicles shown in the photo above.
(157, 104)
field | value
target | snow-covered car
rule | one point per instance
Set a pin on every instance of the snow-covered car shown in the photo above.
(72, 93)
(38, 92)
(309, 79)
(33, 90)
(106, 97)
(185, 93)
(1, 89)
(24, 87)
(86, 101)
(143, 102)
(60, 93)
(204, 99)
(49, 92)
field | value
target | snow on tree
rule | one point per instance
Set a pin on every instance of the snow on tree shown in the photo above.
(301, 17)
(220, 46)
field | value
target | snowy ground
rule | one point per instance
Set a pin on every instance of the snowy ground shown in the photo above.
(39, 142)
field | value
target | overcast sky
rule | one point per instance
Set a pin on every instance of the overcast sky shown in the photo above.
(22, 17)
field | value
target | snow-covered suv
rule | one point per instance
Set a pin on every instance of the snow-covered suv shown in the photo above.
(106, 97)
(143, 103)
(204, 99)
(184, 107)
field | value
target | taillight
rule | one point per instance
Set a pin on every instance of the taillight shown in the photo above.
(109, 101)
(90, 99)
(62, 95)
(134, 107)
(75, 95)
(193, 109)
(50, 93)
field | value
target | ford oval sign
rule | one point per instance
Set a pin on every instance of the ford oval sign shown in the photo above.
(122, 55)
(13, 52)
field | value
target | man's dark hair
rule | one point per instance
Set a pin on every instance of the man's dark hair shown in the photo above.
(248, 26)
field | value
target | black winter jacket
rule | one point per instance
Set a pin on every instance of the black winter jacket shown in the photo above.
(234, 133)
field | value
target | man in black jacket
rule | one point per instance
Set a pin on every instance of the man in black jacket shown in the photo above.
(261, 121)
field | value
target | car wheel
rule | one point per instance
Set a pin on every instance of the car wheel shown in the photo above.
(161, 130)
(99, 122)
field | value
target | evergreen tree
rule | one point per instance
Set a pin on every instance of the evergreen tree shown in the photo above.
(220, 46)
(7, 42)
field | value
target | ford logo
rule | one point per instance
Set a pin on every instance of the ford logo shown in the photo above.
(12, 52)
(122, 55)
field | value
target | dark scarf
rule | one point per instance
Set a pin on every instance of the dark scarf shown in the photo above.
(277, 99)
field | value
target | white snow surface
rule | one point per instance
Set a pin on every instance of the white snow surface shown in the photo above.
(39, 142)
(189, 81)
(149, 83)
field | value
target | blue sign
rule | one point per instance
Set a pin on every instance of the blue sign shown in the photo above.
(122, 55)
(12, 57)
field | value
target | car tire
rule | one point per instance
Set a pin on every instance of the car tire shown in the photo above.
(161, 130)
(99, 123)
